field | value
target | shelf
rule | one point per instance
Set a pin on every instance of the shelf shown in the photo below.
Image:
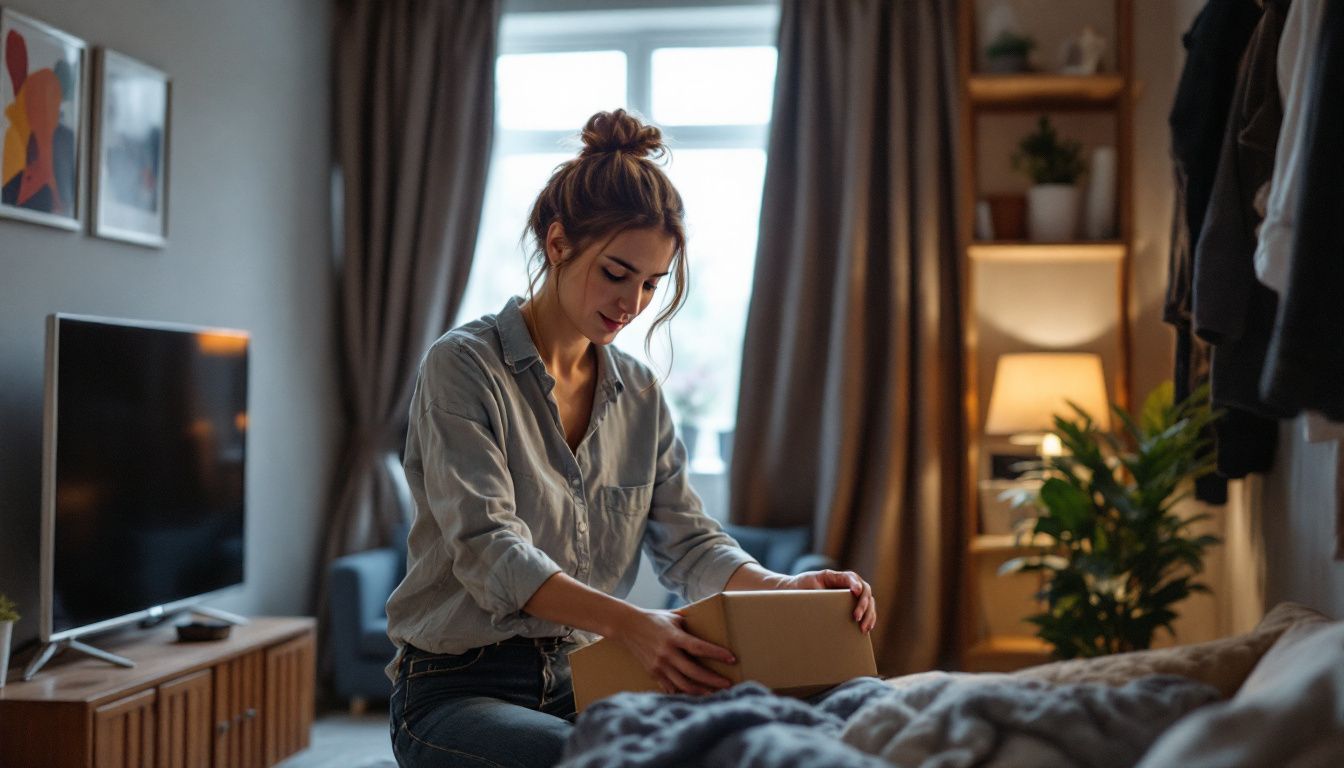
(1006, 653)
(1037, 91)
(999, 543)
(1091, 251)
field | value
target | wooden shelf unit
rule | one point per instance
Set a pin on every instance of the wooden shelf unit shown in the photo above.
(1111, 94)
(242, 702)
(1047, 252)
(1034, 91)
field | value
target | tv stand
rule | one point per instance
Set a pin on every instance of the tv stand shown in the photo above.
(243, 702)
(50, 650)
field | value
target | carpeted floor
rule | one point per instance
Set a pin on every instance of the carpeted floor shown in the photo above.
(343, 741)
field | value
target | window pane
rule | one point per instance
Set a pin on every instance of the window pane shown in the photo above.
(722, 192)
(558, 91)
(742, 79)
(500, 266)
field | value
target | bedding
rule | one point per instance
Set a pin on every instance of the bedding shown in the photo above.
(1273, 697)
(934, 719)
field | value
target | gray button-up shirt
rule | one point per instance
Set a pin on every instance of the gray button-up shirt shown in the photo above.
(502, 503)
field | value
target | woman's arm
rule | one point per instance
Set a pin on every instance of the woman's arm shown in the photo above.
(657, 639)
(752, 576)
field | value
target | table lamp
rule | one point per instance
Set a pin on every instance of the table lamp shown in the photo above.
(1030, 388)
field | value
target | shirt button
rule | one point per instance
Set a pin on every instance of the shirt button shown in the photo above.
(583, 527)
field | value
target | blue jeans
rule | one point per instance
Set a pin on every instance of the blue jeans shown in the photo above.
(507, 705)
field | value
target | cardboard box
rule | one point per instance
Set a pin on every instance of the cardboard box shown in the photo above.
(795, 642)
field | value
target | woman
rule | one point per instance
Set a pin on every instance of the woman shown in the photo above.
(541, 458)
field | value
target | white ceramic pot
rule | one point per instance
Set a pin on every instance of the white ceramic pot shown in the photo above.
(6, 632)
(1052, 213)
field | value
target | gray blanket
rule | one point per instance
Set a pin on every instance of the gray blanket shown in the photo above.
(934, 719)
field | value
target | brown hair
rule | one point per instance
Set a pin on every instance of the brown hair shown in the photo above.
(613, 185)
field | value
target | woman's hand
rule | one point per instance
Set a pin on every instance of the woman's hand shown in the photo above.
(865, 612)
(661, 644)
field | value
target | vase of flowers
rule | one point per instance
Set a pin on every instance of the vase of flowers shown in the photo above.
(691, 394)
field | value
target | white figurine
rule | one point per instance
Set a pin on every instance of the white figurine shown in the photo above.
(1082, 55)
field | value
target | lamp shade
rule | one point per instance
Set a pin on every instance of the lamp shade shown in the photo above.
(1029, 389)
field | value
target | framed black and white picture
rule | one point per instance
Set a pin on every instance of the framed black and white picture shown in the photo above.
(43, 102)
(130, 176)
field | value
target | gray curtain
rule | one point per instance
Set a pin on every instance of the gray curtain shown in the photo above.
(413, 106)
(850, 418)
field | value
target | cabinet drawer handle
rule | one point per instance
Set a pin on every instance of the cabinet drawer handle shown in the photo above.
(250, 713)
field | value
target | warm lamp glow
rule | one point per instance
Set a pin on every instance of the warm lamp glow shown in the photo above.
(221, 343)
(1029, 389)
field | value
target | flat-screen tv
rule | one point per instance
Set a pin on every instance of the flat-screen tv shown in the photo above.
(144, 450)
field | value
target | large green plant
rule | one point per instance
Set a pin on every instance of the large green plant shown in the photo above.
(1115, 554)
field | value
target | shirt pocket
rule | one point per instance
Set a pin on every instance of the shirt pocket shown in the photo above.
(624, 510)
(629, 500)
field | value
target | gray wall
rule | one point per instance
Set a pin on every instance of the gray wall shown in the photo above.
(249, 244)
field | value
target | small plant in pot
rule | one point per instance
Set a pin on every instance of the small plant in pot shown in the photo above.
(1116, 555)
(1009, 52)
(9, 613)
(1053, 165)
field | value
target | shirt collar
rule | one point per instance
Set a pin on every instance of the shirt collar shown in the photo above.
(520, 352)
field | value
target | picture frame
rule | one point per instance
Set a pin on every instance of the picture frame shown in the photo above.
(43, 119)
(131, 116)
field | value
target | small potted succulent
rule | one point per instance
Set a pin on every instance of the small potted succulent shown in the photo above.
(1009, 52)
(1053, 165)
(9, 613)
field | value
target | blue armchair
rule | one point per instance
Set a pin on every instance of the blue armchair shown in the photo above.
(360, 649)
(782, 550)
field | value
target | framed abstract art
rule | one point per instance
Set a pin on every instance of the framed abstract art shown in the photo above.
(42, 110)
(130, 149)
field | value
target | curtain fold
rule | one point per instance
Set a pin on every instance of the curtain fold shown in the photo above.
(850, 418)
(413, 105)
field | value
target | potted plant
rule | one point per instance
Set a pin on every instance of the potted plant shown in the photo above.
(9, 613)
(1115, 553)
(1054, 165)
(1008, 52)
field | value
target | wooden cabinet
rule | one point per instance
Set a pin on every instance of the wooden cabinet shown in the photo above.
(184, 720)
(1021, 296)
(123, 731)
(237, 703)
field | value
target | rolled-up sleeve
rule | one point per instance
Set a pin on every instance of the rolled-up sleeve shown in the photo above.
(691, 554)
(469, 491)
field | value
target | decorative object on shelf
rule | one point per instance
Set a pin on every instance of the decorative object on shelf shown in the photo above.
(130, 179)
(1008, 216)
(1100, 210)
(1009, 52)
(1117, 556)
(1031, 387)
(9, 613)
(984, 222)
(1082, 55)
(42, 105)
(1054, 165)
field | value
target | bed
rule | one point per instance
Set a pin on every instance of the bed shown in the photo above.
(1271, 697)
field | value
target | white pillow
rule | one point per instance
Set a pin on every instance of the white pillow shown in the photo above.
(1288, 714)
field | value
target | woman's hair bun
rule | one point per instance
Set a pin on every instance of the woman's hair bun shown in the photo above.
(620, 131)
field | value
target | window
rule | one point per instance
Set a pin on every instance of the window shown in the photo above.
(706, 77)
